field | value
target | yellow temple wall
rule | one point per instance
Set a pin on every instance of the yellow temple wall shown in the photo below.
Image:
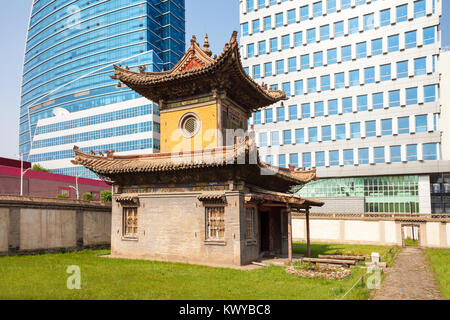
(173, 141)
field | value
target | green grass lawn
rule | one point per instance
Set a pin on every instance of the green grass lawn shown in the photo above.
(411, 243)
(44, 277)
(440, 264)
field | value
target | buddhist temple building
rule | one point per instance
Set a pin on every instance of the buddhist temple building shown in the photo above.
(206, 198)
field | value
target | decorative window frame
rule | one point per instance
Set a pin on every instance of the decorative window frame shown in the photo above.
(181, 129)
(211, 202)
(251, 231)
(128, 204)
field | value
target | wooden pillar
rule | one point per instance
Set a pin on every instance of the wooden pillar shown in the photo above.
(289, 212)
(308, 240)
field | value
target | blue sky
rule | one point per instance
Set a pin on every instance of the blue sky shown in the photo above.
(218, 18)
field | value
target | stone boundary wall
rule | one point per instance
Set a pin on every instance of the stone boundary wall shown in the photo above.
(30, 225)
(373, 229)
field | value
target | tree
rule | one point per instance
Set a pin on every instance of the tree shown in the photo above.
(87, 196)
(106, 196)
(38, 167)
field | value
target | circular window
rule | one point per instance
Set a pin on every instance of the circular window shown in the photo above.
(189, 125)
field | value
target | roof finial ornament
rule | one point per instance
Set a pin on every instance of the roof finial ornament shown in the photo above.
(206, 46)
(142, 69)
(234, 37)
(193, 40)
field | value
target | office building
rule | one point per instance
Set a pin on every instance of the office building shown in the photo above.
(362, 78)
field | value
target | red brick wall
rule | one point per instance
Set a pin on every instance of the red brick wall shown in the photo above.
(37, 184)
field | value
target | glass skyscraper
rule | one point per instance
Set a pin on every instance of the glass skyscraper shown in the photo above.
(68, 97)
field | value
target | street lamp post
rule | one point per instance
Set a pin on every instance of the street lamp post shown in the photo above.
(22, 174)
(76, 188)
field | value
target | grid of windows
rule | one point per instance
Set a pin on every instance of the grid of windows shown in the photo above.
(118, 147)
(389, 83)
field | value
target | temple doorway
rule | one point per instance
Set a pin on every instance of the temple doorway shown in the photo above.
(271, 231)
(410, 235)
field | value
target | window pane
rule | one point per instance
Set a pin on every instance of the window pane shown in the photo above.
(386, 127)
(355, 130)
(306, 110)
(379, 155)
(402, 69)
(334, 158)
(377, 47)
(319, 109)
(332, 56)
(402, 13)
(394, 98)
(385, 17)
(429, 35)
(293, 112)
(299, 136)
(348, 157)
(411, 96)
(353, 26)
(393, 43)
(361, 50)
(430, 93)
(421, 123)
(396, 154)
(340, 132)
(430, 151)
(326, 133)
(332, 107)
(338, 29)
(377, 99)
(410, 39)
(320, 159)
(312, 134)
(411, 152)
(368, 21)
(371, 129)
(363, 155)
(347, 105)
(403, 125)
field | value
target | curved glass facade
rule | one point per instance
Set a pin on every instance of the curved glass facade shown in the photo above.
(71, 48)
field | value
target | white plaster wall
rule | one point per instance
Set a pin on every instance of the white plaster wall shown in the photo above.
(298, 229)
(390, 232)
(362, 231)
(444, 62)
(448, 234)
(4, 225)
(324, 229)
(43, 229)
(433, 238)
(424, 194)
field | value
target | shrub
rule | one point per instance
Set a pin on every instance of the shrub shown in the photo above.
(62, 196)
(38, 167)
(87, 196)
(106, 196)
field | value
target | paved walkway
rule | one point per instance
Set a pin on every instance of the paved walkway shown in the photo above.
(410, 279)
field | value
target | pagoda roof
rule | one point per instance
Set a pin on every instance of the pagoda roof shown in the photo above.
(197, 73)
(238, 156)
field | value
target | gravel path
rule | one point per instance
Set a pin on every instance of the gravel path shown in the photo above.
(410, 279)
